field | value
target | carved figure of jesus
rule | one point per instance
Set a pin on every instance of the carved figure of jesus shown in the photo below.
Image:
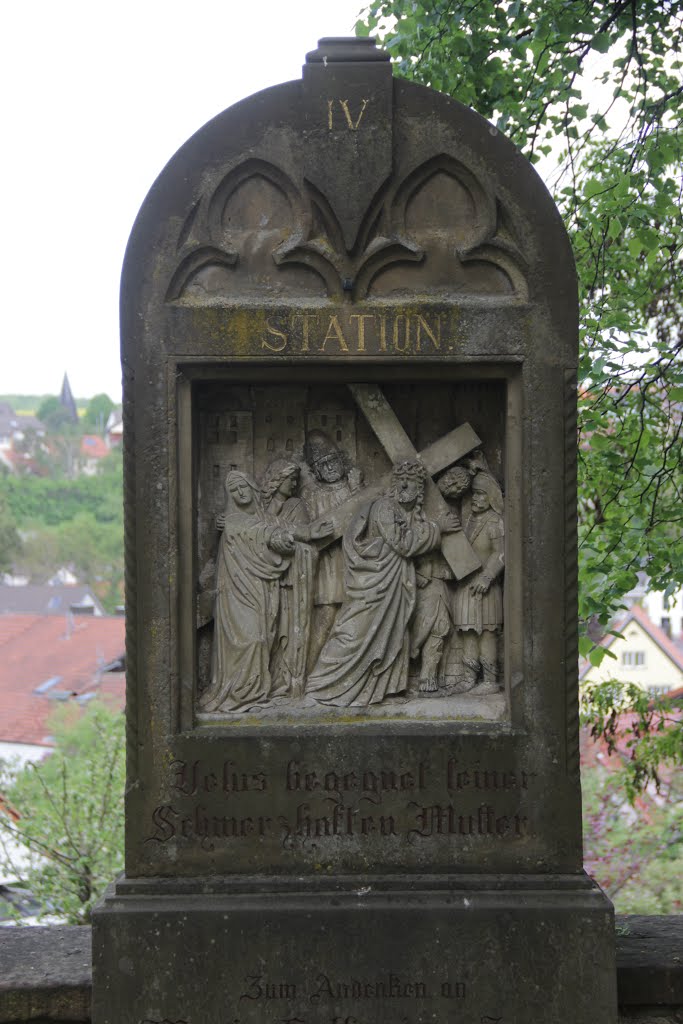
(365, 659)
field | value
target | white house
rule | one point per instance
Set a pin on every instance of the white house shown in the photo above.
(644, 655)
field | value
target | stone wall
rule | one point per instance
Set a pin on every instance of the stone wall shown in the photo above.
(45, 973)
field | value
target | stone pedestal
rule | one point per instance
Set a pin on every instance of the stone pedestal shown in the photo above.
(414, 949)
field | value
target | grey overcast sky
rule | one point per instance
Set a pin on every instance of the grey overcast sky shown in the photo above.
(96, 98)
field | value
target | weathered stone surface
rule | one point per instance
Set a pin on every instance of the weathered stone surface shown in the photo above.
(415, 951)
(45, 974)
(349, 338)
(649, 971)
(449, 308)
(650, 960)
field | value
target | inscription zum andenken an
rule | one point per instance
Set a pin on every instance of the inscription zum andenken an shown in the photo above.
(417, 1001)
(478, 803)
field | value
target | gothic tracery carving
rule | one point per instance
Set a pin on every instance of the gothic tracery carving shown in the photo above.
(457, 240)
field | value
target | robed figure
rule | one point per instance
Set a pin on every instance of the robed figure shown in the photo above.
(281, 503)
(253, 555)
(478, 599)
(366, 656)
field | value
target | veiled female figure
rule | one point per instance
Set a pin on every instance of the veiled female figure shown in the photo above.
(253, 554)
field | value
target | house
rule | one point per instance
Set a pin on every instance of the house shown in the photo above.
(46, 660)
(644, 655)
(93, 448)
(49, 599)
(114, 429)
(21, 442)
(14, 427)
(666, 611)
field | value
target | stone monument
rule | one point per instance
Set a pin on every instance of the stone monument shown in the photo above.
(349, 343)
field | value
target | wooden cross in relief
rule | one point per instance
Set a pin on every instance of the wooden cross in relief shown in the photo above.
(436, 457)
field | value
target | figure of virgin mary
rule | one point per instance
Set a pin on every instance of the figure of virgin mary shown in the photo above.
(253, 554)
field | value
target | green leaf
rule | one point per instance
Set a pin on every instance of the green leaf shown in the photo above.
(601, 42)
(597, 656)
(635, 247)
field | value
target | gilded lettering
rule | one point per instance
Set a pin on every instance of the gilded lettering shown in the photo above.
(274, 346)
(353, 125)
(383, 333)
(334, 333)
(435, 338)
(405, 343)
(305, 332)
(361, 318)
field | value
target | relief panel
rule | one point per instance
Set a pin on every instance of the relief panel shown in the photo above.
(350, 550)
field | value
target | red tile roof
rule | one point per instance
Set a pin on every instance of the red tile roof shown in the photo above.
(657, 634)
(93, 446)
(40, 649)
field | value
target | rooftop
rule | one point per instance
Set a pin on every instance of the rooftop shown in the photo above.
(45, 659)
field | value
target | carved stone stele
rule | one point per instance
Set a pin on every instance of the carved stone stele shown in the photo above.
(349, 343)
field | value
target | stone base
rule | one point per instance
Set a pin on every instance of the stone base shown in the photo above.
(472, 950)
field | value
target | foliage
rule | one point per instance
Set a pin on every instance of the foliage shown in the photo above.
(54, 416)
(644, 730)
(597, 88)
(54, 501)
(24, 405)
(634, 850)
(28, 405)
(70, 810)
(70, 522)
(10, 541)
(97, 413)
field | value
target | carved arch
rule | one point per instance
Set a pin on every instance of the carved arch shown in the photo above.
(249, 169)
(483, 201)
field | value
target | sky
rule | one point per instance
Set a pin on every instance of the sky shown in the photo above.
(96, 98)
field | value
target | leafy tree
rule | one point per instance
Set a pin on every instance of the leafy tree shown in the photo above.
(10, 541)
(53, 501)
(634, 848)
(97, 413)
(52, 413)
(644, 731)
(70, 813)
(596, 90)
(71, 522)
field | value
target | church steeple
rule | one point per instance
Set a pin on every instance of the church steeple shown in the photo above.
(66, 399)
